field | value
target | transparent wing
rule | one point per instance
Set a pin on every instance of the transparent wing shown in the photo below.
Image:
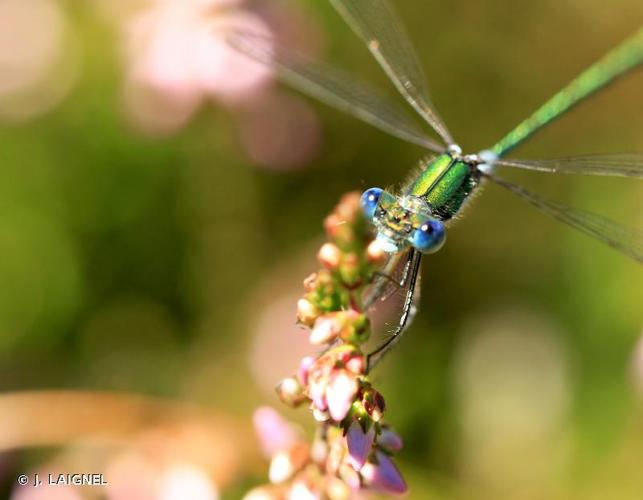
(378, 25)
(387, 282)
(616, 165)
(391, 313)
(332, 87)
(627, 241)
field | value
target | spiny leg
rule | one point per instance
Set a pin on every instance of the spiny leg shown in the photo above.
(408, 312)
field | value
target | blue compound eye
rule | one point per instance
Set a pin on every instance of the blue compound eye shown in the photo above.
(429, 237)
(370, 199)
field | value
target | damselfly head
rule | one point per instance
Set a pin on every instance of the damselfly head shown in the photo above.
(402, 221)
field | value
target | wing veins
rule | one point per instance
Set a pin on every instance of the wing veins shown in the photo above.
(333, 87)
(626, 241)
(376, 23)
(608, 165)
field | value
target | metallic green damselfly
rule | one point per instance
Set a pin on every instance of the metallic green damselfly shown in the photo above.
(412, 223)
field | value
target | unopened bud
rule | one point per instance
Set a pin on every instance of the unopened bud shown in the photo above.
(329, 256)
(390, 440)
(307, 312)
(374, 404)
(291, 392)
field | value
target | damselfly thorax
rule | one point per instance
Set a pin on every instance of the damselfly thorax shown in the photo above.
(434, 196)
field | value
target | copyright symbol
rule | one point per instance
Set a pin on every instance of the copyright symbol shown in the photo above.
(23, 479)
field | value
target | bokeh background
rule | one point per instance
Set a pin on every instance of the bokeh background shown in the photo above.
(161, 201)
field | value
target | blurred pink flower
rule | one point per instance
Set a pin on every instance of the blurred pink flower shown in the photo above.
(274, 432)
(177, 53)
(178, 58)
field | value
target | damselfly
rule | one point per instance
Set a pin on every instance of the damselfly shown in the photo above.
(412, 223)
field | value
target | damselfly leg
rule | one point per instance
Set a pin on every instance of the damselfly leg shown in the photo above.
(408, 310)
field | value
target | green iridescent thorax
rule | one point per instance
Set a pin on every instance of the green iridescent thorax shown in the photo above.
(445, 184)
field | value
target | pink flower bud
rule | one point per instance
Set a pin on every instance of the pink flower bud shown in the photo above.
(390, 440)
(384, 476)
(329, 256)
(340, 394)
(359, 444)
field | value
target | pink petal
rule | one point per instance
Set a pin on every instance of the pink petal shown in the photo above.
(359, 444)
(274, 432)
(356, 364)
(384, 476)
(317, 392)
(325, 330)
(340, 395)
(304, 367)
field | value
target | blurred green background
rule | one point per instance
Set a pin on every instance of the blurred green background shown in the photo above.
(162, 259)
